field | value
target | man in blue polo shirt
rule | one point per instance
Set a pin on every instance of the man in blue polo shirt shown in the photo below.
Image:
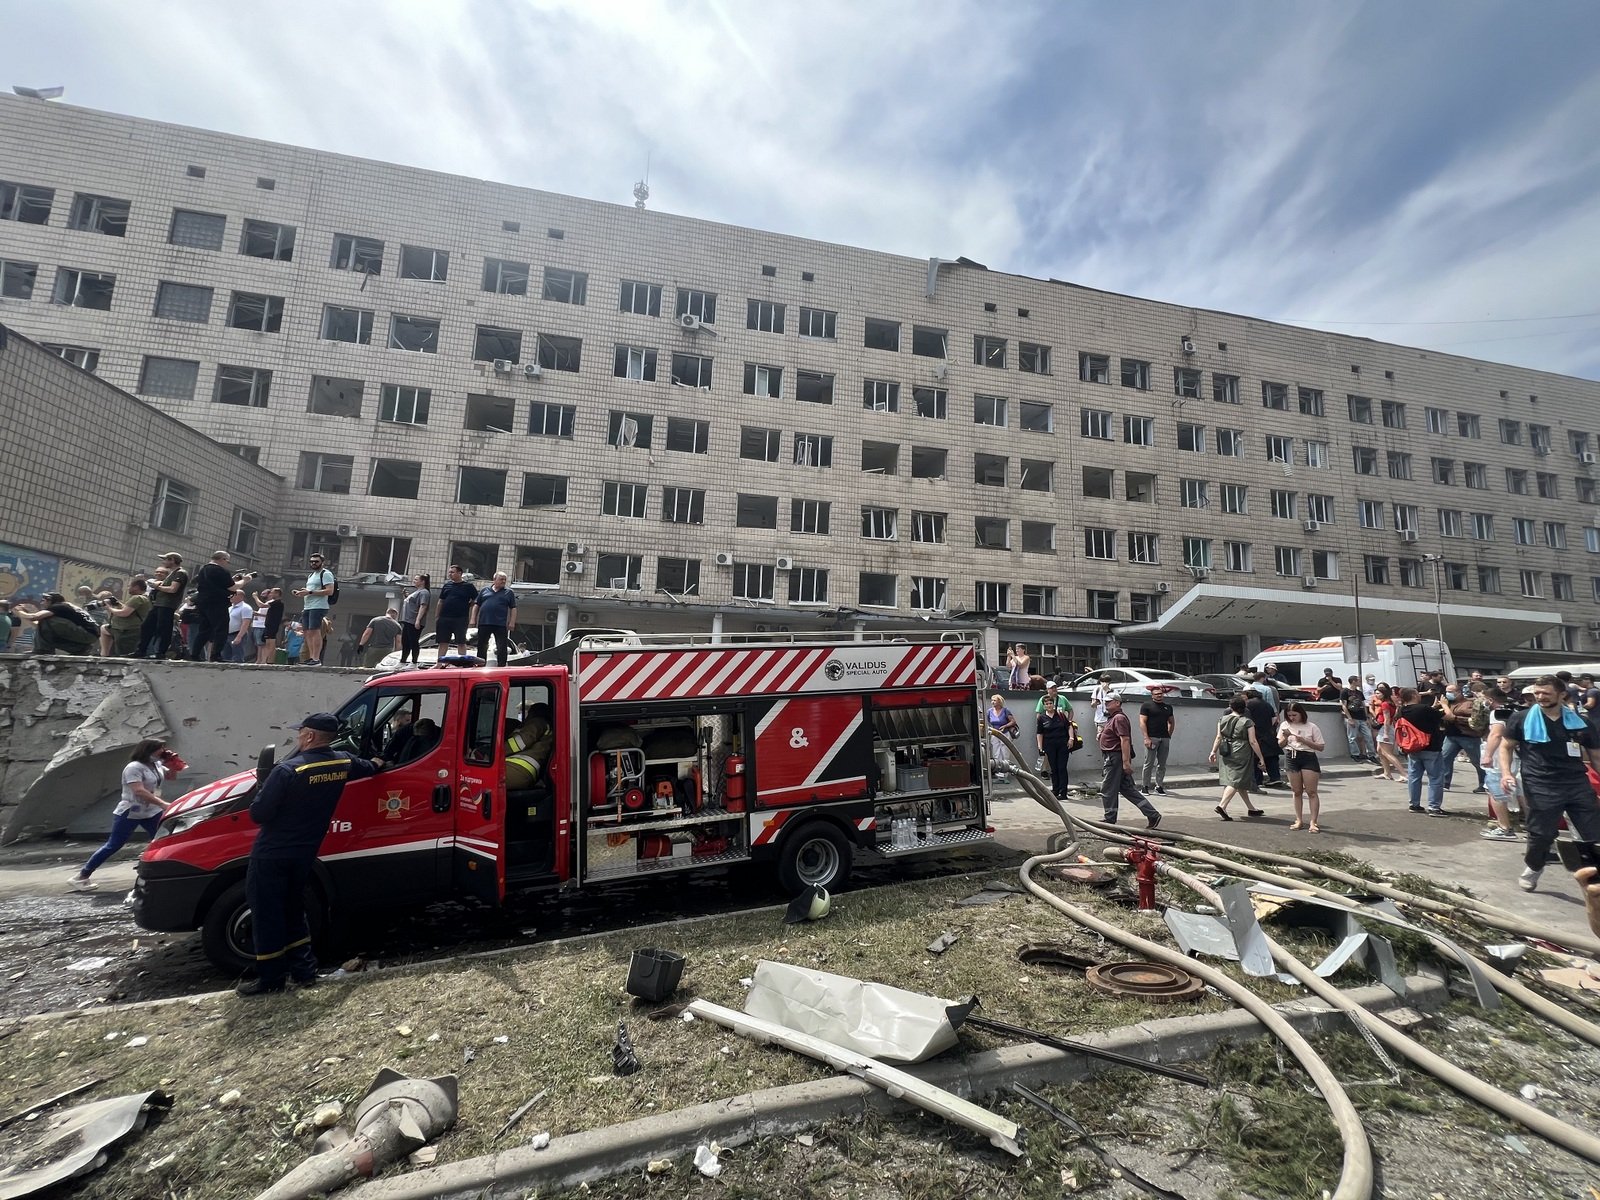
(496, 614)
(456, 599)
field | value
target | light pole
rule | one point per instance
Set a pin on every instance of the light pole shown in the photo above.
(1438, 596)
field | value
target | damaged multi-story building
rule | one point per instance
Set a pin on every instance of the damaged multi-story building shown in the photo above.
(662, 423)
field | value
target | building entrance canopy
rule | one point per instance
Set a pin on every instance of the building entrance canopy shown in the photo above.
(1218, 610)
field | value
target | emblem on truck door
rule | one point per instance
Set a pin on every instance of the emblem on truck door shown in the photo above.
(395, 805)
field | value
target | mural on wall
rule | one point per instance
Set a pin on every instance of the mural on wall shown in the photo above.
(28, 575)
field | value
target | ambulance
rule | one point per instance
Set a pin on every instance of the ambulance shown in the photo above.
(672, 754)
(1399, 660)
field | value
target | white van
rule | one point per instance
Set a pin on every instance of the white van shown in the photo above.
(1523, 677)
(1399, 661)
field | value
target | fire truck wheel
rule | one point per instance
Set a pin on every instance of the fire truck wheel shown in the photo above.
(225, 935)
(815, 855)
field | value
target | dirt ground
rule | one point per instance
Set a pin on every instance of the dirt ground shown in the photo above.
(1259, 1135)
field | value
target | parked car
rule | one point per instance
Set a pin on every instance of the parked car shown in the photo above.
(1228, 685)
(1137, 681)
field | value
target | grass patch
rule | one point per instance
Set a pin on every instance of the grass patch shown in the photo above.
(557, 1008)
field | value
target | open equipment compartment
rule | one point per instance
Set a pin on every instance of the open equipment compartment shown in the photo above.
(927, 778)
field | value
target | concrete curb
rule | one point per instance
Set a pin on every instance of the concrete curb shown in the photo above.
(599, 1153)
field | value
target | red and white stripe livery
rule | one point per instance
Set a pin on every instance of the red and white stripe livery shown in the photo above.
(645, 675)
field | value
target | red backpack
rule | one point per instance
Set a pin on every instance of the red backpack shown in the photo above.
(1408, 739)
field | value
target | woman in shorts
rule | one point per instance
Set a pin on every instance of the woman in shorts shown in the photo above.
(1383, 710)
(1502, 803)
(1302, 742)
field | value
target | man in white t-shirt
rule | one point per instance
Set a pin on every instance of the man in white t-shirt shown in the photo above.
(241, 628)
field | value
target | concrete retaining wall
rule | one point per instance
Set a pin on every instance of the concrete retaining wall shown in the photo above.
(217, 715)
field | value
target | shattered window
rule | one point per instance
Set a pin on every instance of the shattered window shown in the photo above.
(267, 239)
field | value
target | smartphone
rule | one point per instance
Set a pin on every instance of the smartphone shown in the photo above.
(1576, 855)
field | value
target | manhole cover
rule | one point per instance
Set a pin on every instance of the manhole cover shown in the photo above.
(1049, 954)
(1156, 982)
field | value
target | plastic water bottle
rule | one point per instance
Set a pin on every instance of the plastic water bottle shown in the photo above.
(924, 826)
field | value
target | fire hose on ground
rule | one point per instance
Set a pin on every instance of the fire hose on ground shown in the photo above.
(1356, 1177)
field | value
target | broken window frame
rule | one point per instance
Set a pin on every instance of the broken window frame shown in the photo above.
(678, 576)
(760, 444)
(764, 316)
(336, 396)
(383, 554)
(929, 462)
(413, 334)
(813, 450)
(1033, 358)
(637, 364)
(255, 312)
(395, 478)
(476, 486)
(173, 504)
(928, 528)
(355, 252)
(755, 510)
(1094, 368)
(565, 286)
(495, 343)
(929, 593)
(105, 215)
(990, 410)
(77, 288)
(989, 351)
(880, 523)
(880, 458)
(692, 370)
(813, 387)
(931, 403)
(877, 589)
(1038, 537)
(1134, 373)
(402, 404)
(991, 532)
(318, 471)
(880, 395)
(886, 332)
(336, 317)
(933, 342)
(486, 413)
(266, 239)
(245, 387)
(424, 263)
(558, 352)
(183, 302)
(26, 203)
(505, 277)
(628, 430)
(991, 596)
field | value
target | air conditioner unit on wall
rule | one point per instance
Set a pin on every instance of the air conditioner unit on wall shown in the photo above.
(574, 568)
(532, 370)
(688, 321)
(1163, 588)
(724, 559)
(502, 366)
(1120, 654)
(1186, 344)
(1408, 535)
(347, 531)
(785, 564)
(1308, 581)
(574, 549)
(1313, 526)
(1586, 457)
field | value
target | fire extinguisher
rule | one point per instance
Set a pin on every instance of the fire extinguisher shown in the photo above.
(733, 783)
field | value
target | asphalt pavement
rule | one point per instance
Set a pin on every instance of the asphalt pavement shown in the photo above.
(1366, 817)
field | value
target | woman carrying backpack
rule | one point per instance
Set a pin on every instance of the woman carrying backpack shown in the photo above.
(1235, 752)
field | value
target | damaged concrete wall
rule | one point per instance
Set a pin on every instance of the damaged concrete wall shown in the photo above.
(90, 712)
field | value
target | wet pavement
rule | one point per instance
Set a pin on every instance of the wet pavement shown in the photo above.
(63, 949)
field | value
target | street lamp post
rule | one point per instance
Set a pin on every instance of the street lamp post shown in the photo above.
(1438, 597)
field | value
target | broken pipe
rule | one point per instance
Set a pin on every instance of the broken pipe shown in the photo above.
(396, 1116)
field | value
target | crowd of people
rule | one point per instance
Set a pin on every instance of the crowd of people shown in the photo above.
(219, 616)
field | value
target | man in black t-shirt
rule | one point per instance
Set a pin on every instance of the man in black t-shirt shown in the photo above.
(1556, 746)
(1357, 722)
(1423, 711)
(212, 585)
(1328, 688)
(456, 599)
(1265, 719)
(1157, 722)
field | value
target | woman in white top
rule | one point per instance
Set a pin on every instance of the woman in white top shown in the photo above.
(140, 807)
(1502, 801)
(1302, 742)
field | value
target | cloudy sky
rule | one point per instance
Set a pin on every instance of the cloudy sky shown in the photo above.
(1426, 172)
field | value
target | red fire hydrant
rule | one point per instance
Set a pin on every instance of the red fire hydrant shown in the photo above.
(1143, 857)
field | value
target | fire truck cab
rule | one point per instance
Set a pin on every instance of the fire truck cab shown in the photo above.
(665, 754)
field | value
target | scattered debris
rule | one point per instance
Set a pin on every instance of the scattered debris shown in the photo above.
(810, 905)
(1531, 1091)
(886, 1023)
(805, 1139)
(136, 1042)
(326, 1116)
(502, 1040)
(398, 1116)
(229, 1098)
(1106, 1159)
(73, 1141)
(1116, 1056)
(405, 1031)
(1002, 1133)
(943, 942)
(987, 896)
(519, 1114)
(706, 1160)
(658, 1166)
(1517, 1145)
(653, 974)
(89, 964)
(539, 1141)
(624, 1061)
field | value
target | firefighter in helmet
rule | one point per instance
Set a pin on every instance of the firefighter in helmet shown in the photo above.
(528, 746)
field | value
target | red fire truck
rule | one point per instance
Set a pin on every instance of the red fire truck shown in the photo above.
(671, 753)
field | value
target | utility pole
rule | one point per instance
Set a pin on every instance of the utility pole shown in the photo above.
(1438, 600)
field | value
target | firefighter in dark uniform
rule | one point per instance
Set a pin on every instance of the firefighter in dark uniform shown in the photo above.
(293, 809)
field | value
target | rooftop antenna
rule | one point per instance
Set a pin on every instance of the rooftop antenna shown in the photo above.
(641, 189)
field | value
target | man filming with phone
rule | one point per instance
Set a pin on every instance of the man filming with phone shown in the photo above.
(1556, 746)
